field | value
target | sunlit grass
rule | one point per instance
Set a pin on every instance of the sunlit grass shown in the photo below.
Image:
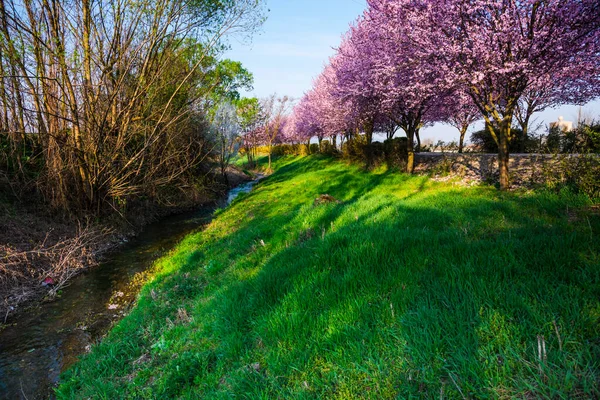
(409, 287)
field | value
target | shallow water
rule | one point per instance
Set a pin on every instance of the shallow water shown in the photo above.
(42, 342)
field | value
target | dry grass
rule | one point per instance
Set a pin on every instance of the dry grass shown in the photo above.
(25, 265)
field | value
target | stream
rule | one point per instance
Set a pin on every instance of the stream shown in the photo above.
(47, 339)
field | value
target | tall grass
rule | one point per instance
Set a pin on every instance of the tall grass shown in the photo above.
(407, 288)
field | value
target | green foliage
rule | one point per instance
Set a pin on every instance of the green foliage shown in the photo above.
(578, 174)
(584, 139)
(248, 109)
(408, 288)
(518, 144)
(393, 152)
(584, 176)
(555, 140)
(396, 153)
(229, 77)
(592, 135)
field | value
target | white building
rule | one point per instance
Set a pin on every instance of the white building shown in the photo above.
(565, 126)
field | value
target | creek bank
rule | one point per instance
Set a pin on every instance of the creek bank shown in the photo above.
(40, 343)
(38, 245)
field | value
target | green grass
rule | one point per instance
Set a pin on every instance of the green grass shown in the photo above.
(408, 288)
(261, 162)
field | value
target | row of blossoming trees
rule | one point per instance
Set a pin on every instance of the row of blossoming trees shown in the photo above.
(407, 63)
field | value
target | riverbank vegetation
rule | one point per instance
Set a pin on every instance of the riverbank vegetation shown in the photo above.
(112, 101)
(329, 280)
(111, 114)
(390, 286)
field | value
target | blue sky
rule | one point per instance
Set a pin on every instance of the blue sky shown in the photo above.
(298, 38)
(295, 43)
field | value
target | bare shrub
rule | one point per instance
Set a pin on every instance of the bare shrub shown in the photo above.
(22, 272)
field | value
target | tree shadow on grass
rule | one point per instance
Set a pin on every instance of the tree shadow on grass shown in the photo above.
(418, 295)
(397, 311)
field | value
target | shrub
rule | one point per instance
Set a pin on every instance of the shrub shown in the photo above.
(353, 149)
(484, 141)
(393, 152)
(584, 139)
(592, 137)
(280, 150)
(396, 152)
(554, 140)
(327, 147)
(580, 174)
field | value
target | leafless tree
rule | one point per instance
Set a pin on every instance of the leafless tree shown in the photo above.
(274, 109)
(226, 128)
(105, 99)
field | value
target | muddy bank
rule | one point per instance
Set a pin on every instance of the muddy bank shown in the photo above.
(41, 251)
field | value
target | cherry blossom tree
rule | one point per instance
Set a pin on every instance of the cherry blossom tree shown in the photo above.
(459, 111)
(387, 126)
(497, 50)
(289, 133)
(275, 109)
(569, 86)
(306, 122)
(321, 112)
(251, 139)
(356, 87)
(410, 86)
(406, 63)
(335, 115)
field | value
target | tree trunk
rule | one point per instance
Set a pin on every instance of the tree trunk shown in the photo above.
(224, 174)
(503, 156)
(270, 150)
(525, 128)
(418, 136)
(410, 164)
(461, 142)
(308, 147)
(369, 127)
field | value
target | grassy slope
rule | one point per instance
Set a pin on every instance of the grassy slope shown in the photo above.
(409, 287)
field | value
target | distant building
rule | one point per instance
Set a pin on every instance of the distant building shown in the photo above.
(565, 126)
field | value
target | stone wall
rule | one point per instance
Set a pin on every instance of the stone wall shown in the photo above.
(524, 169)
